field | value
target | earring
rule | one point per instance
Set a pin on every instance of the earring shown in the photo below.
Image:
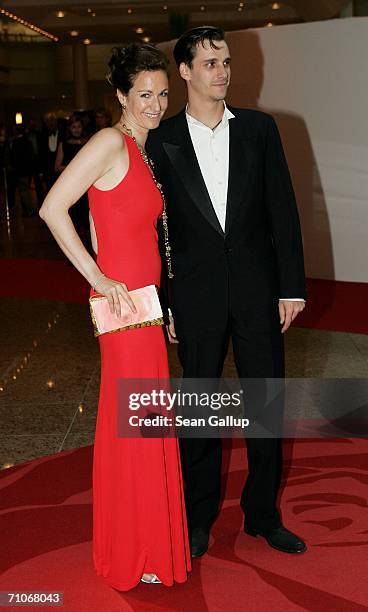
(123, 106)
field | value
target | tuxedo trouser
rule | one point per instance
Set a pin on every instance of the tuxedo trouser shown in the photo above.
(256, 355)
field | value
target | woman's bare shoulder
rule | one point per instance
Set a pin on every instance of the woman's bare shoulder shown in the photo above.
(109, 137)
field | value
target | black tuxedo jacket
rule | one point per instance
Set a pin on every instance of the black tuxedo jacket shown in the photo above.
(243, 271)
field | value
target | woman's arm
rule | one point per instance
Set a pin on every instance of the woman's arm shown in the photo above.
(59, 158)
(95, 160)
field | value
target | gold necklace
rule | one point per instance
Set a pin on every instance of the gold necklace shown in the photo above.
(150, 165)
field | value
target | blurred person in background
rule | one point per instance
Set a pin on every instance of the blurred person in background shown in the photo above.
(50, 139)
(66, 151)
(34, 137)
(75, 140)
(103, 118)
(19, 162)
(87, 117)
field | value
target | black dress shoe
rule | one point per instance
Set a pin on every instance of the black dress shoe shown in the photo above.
(279, 538)
(199, 541)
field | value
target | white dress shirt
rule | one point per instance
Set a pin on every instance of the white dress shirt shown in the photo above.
(53, 141)
(212, 151)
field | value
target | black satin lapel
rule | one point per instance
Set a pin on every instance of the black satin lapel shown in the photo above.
(241, 157)
(185, 162)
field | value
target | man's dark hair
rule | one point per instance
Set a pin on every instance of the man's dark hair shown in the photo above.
(186, 46)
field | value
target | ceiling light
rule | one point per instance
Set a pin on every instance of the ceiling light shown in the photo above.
(275, 6)
(28, 24)
(269, 24)
(240, 8)
(241, 4)
(87, 41)
(74, 33)
(139, 30)
(60, 14)
(130, 11)
(146, 39)
(202, 8)
(165, 7)
(93, 14)
(89, 10)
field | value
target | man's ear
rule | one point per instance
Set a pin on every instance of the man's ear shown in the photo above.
(184, 71)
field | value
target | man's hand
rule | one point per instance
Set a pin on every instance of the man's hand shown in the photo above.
(289, 309)
(171, 331)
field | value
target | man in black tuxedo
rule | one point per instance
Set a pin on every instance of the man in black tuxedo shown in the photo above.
(238, 268)
(50, 140)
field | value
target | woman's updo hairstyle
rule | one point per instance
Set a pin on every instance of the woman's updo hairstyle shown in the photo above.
(127, 62)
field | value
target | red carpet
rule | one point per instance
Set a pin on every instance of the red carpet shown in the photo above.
(332, 305)
(46, 538)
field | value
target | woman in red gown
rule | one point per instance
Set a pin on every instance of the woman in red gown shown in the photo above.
(139, 522)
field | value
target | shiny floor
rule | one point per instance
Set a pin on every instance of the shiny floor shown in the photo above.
(49, 360)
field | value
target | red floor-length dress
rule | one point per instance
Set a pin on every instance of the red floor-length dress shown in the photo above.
(139, 522)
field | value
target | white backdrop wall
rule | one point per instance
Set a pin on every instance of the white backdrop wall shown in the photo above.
(313, 78)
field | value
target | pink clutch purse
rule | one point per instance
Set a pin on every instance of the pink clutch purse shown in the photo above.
(148, 313)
